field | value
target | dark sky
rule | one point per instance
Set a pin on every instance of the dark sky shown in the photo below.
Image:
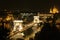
(29, 4)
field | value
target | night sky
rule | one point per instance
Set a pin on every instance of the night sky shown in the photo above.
(36, 5)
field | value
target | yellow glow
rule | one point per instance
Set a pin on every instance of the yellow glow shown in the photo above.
(36, 19)
(22, 34)
(18, 21)
(54, 10)
(8, 18)
(18, 25)
(50, 10)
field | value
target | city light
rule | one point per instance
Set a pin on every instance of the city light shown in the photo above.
(8, 18)
(54, 10)
(30, 20)
(36, 19)
(18, 25)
